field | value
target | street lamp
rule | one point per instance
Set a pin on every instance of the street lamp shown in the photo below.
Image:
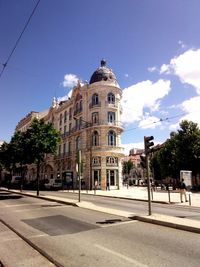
(88, 125)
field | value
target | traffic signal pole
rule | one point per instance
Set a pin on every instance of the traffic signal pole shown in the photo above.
(148, 149)
(148, 184)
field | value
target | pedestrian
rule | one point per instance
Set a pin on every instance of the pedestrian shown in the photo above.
(183, 191)
(108, 186)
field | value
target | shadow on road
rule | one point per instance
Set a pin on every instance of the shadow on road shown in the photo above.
(7, 195)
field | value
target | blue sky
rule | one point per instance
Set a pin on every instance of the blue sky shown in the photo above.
(153, 47)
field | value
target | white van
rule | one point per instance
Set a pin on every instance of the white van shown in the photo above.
(16, 180)
(54, 183)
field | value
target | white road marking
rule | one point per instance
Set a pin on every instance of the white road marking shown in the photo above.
(35, 236)
(136, 263)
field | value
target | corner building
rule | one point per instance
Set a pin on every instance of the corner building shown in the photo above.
(88, 121)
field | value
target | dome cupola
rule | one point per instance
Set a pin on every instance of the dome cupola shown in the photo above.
(103, 73)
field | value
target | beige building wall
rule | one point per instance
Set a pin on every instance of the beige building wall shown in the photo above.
(89, 121)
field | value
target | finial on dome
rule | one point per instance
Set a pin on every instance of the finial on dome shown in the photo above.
(103, 63)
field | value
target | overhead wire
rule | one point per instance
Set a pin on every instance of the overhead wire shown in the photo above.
(19, 38)
(160, 120)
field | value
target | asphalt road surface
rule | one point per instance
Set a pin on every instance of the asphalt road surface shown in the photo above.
(79, 237)
(133, 206)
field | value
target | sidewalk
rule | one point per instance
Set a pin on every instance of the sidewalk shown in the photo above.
(159, 196)
(136, 193)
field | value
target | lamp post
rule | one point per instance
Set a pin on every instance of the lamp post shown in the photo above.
(88, 125)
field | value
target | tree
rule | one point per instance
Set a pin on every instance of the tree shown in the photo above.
(41, 138)
(127, 166)
(180, 152)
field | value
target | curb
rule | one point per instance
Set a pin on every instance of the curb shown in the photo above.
(178, 226)
(147, 219)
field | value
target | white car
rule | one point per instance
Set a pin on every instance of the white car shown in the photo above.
(53, 184)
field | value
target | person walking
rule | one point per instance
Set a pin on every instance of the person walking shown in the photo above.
(183, 191)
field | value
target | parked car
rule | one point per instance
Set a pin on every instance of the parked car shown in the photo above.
(53, 183)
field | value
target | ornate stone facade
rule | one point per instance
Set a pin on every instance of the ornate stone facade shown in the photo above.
(88, 121)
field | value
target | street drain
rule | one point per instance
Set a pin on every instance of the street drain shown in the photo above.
(110, 221)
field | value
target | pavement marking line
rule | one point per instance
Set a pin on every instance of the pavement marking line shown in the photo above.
(136, 263)
(35, 236)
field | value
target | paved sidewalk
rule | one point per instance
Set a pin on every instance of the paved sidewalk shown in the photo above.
(138, 193)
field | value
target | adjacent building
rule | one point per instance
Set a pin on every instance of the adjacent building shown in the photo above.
(90, 121)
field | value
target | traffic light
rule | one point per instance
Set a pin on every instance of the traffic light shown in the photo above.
(148, 144)
(143, 161)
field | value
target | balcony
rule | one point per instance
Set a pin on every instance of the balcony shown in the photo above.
(95, 105)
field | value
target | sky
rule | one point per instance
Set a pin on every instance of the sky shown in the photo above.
(152, 46)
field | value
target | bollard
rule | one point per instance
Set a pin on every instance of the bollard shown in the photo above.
(190, 198)
(151, 193)
(169, 196)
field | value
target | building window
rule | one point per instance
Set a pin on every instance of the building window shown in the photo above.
(80, 122)
(95, 99)
(70, 113)
(65, 116)
(65, 129)
(64, 148)
(60, 118)
(70, 127)
(80, 105)
(78, 143)
(95, 117)
(96, 161)
(77, 106)
(111, 161)
(111, 138)
(111, 117)
(111, 98)
(69, 147)
(95, 138)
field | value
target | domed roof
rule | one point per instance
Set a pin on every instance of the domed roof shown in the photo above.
(103, 73)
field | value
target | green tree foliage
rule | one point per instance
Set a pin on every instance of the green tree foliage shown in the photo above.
(180, 152)
(127, 166)
(30, 147)
(41, 138)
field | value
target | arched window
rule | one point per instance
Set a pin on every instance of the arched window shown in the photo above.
(70, 113)
(95, 99)
(77, 106)
(80, 105)
(111, 117)
(78, 143)
(111, 138)
(111, 98)
(95, 138)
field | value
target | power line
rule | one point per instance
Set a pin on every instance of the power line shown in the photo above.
(160, 120)
(20, 36)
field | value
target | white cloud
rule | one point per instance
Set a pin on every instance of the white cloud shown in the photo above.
(63, 98)
(152, 69)
(165, 69)
(70, 80)
(149, 122)
(187, 67)
(126, 75)
(182, 44)
(145, 94)
(191, 108)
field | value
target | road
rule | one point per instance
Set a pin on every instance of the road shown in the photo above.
(79, 237)
(133, 206)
